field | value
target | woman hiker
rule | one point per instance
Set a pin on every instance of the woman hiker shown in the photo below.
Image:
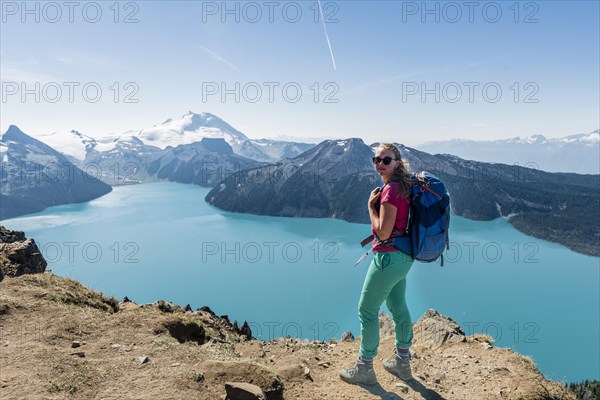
(386, 276)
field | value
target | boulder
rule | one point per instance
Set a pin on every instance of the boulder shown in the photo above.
(167, 306)
(347, 337)
(433, 330)
(19, 255)
(243, 391)
(268, 380)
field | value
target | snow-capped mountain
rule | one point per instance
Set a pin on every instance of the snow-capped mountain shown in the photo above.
(122, 160)
(190, 128)
(35, 176)
(77, 146)
(139, 156)
(126, 159)
(578, 153)
(116, 159)
(193, 127)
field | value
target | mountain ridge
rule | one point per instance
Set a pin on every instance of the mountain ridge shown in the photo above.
(579, 153)
(189, 128)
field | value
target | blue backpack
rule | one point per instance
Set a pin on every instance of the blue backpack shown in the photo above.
(426, 234)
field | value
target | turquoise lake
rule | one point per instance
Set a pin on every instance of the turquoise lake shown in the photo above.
(291, 276)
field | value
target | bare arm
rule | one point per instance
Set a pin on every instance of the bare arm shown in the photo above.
(383, 223)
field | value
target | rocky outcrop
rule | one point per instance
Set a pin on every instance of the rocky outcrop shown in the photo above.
(19, 255)
(434, 330)
(244, 331)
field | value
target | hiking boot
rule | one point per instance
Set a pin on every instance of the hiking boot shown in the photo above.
(359, 373)
(398, 367)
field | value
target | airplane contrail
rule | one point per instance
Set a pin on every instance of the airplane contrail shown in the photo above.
(326, 35)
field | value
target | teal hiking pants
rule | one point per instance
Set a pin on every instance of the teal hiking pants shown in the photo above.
(385, 281)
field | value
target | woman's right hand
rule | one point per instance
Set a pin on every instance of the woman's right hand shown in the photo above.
(374, 197)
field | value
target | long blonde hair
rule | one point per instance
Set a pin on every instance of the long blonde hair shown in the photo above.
(402, 173)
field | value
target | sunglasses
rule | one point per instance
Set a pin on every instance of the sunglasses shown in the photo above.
(386, 160)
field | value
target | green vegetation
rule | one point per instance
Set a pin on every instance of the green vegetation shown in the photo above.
(586, 390)
(558, 207)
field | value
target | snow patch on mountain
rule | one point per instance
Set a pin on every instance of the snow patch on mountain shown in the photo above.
(188, 129)
(591, 138)
(4, 152)
(109, 142)
(70, 143)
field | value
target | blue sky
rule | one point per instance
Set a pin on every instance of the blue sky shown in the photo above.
(385, 55)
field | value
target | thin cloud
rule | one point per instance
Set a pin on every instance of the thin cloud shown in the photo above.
(85, 59)
(23, 72)
(64, 60)
(218, 58)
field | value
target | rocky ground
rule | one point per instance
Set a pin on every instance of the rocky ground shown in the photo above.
(61, 340)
